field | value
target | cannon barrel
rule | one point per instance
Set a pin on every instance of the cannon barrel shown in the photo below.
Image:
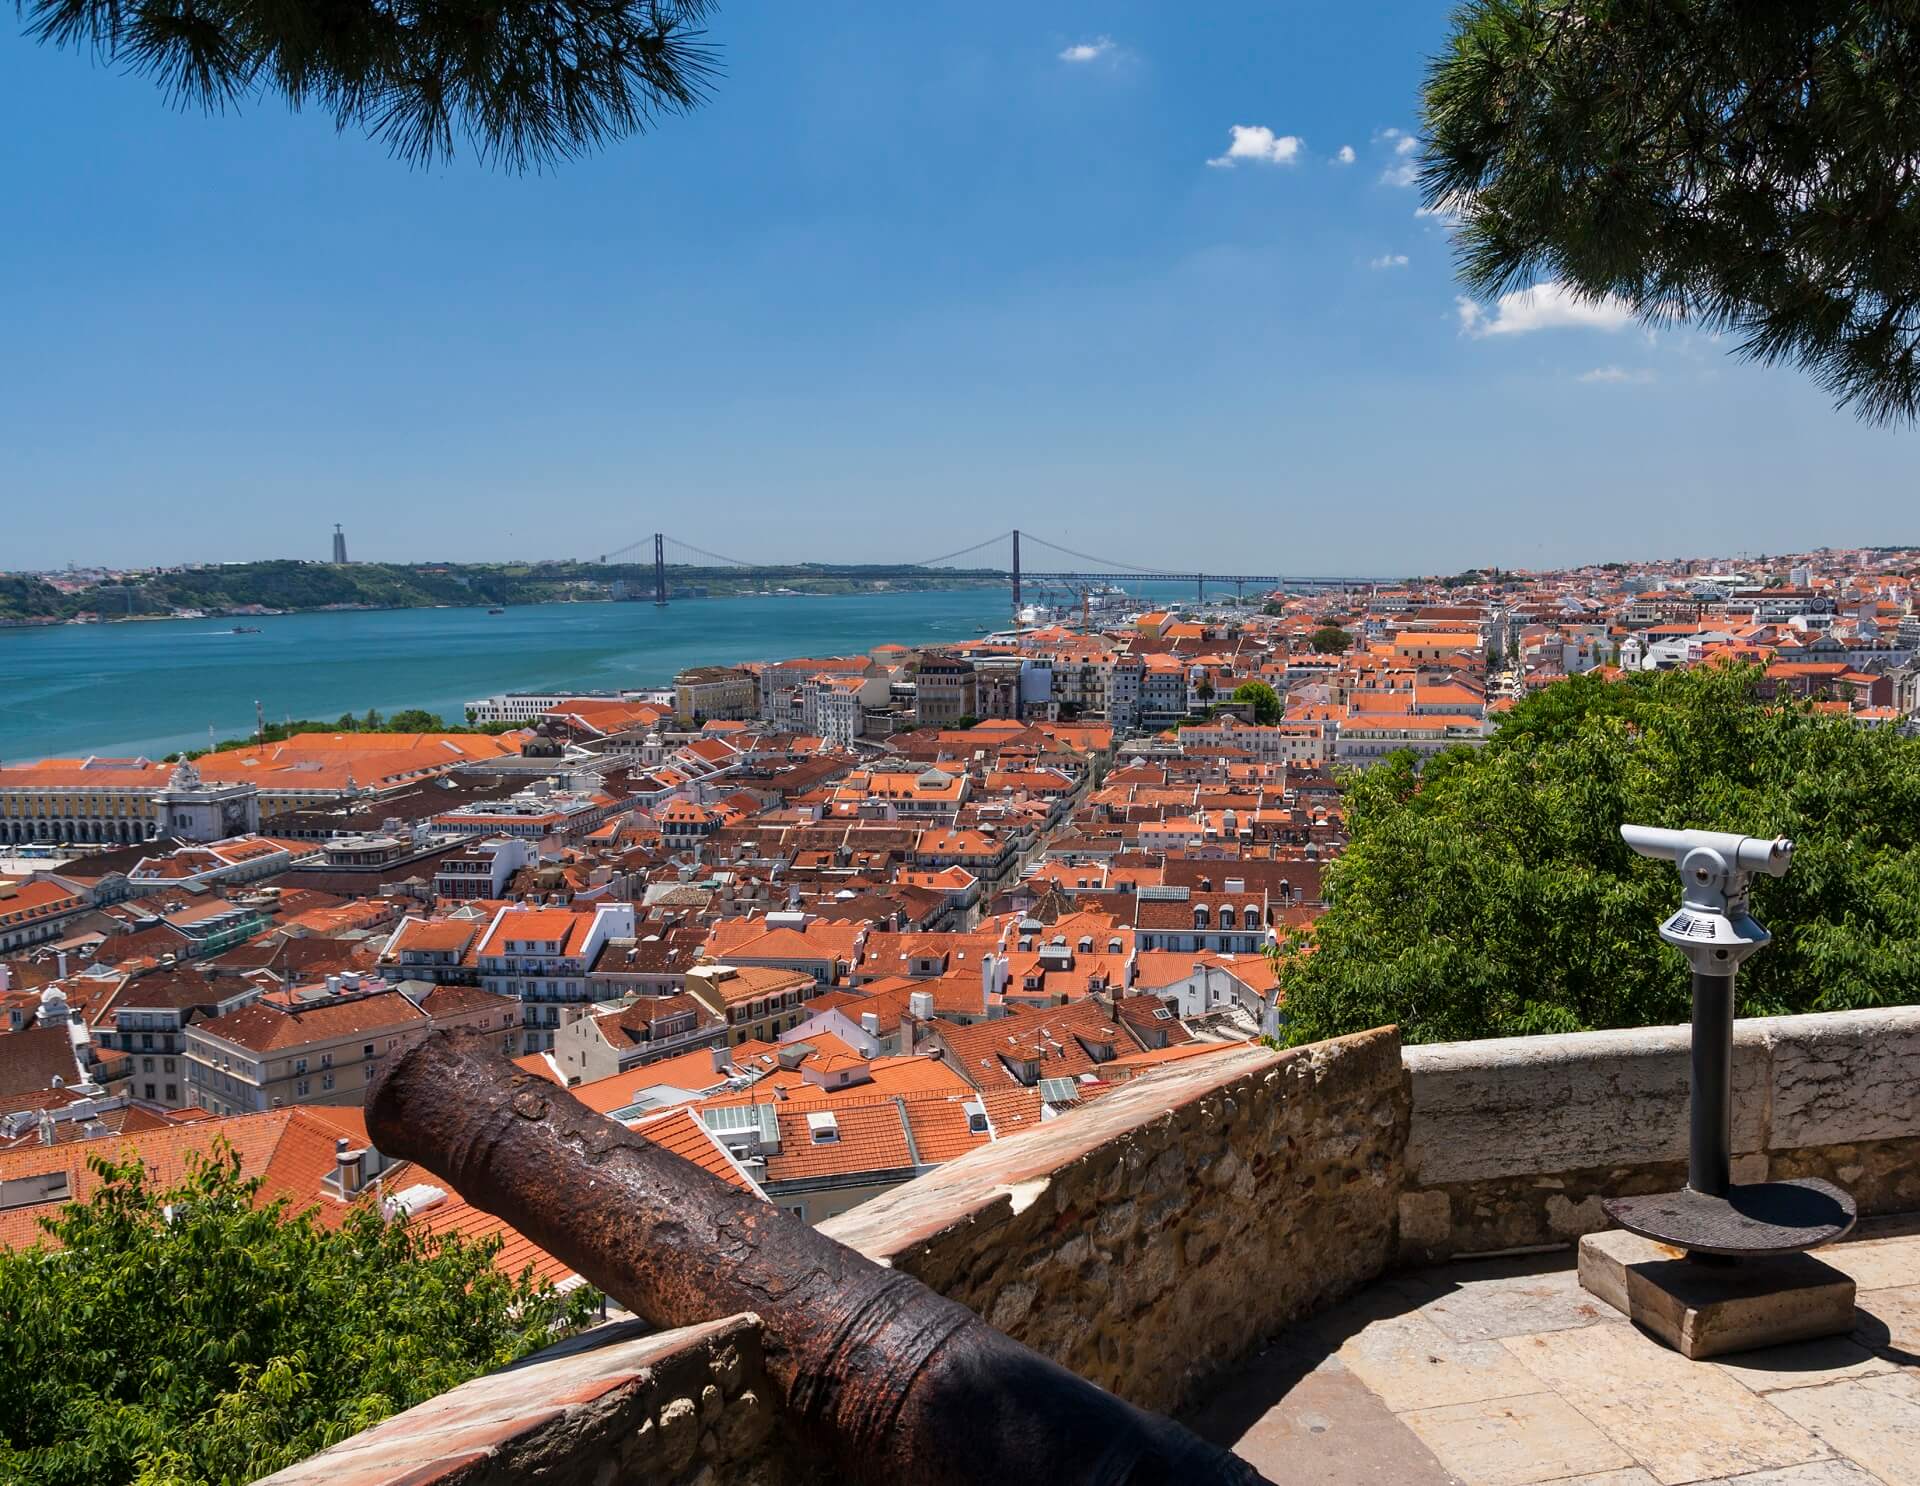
(889, 1380)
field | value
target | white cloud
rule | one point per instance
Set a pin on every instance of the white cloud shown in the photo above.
(1401, 171)
(1260, 144)
(1343, 155)
(1089, 51)
(1388, 260)
(1617, 374)
(1548, 306)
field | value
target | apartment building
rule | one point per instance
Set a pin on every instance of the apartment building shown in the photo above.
(148, 1020)
(756, 1002)
(483, 869)
(539, 957)
(267, 1054)
(639, 1030)
(945, 690)
(705, 693)
(37, 910)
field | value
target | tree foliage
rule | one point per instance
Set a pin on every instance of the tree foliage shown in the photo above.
(1747, 164)
(188, 1336)
(526, 82)
(1263, 698)
(1490, 895)
(1330, 639)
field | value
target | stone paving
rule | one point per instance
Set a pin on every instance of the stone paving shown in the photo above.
(1506, 1373)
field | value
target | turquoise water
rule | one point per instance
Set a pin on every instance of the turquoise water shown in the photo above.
(155, 686)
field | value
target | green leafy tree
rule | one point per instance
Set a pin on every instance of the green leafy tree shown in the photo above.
(526, 82)
(1262, 697)
(1745, 164)
(1489, 894)
(1330, 639)
(415, 720)
(196, 1337)
(1205, 690)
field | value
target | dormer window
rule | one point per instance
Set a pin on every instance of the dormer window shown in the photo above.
(1200, 917)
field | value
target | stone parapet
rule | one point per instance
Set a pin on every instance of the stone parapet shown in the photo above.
(1159, 1235)
(1515, 1141)
(611, 1407)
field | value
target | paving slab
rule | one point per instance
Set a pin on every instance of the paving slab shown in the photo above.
(1813, 1473)
(1874, 1422)
(1828, 1359)
(1412, 1364)
(1326, 1427)
(1887, 1322)
(1514, 1441)
(1876, 1265)
(1490, 1300)
(1681, 1420)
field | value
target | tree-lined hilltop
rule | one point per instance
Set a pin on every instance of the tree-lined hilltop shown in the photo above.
(287, 584)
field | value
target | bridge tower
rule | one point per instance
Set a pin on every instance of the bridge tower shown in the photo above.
(1016, 575)
(659, 570)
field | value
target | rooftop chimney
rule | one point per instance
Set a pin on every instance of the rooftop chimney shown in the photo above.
(870, 1023)
(349, 1167)
(719, 1055)
(63, 964)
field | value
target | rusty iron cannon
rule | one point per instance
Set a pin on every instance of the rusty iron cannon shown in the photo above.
(890, 1381)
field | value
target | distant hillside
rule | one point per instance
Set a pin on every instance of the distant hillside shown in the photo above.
(287, 584)
(28, 598)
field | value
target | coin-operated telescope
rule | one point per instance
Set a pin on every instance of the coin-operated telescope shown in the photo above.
(1710, 1217)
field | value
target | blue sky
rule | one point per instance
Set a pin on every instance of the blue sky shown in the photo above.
(915, 275)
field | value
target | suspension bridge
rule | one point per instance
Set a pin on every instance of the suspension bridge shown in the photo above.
(998, 558)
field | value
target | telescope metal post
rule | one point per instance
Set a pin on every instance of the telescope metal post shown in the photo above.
(1710, 1143)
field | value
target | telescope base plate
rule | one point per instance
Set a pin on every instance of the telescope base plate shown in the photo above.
(1750, 1222)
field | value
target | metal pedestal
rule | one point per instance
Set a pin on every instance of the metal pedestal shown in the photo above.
(1711, 1217)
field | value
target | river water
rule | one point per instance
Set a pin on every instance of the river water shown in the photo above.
(155, 686)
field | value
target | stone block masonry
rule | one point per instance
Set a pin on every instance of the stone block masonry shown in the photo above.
(1515, 1141)
(1159, 1235)
(612, 1407)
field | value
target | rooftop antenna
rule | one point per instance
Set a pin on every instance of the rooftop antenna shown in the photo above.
(259, 722)
(1714, 1219)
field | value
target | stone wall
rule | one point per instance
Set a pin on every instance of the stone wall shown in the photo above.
(1515, 1141)
(1162, 1233)
(612, 1407)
